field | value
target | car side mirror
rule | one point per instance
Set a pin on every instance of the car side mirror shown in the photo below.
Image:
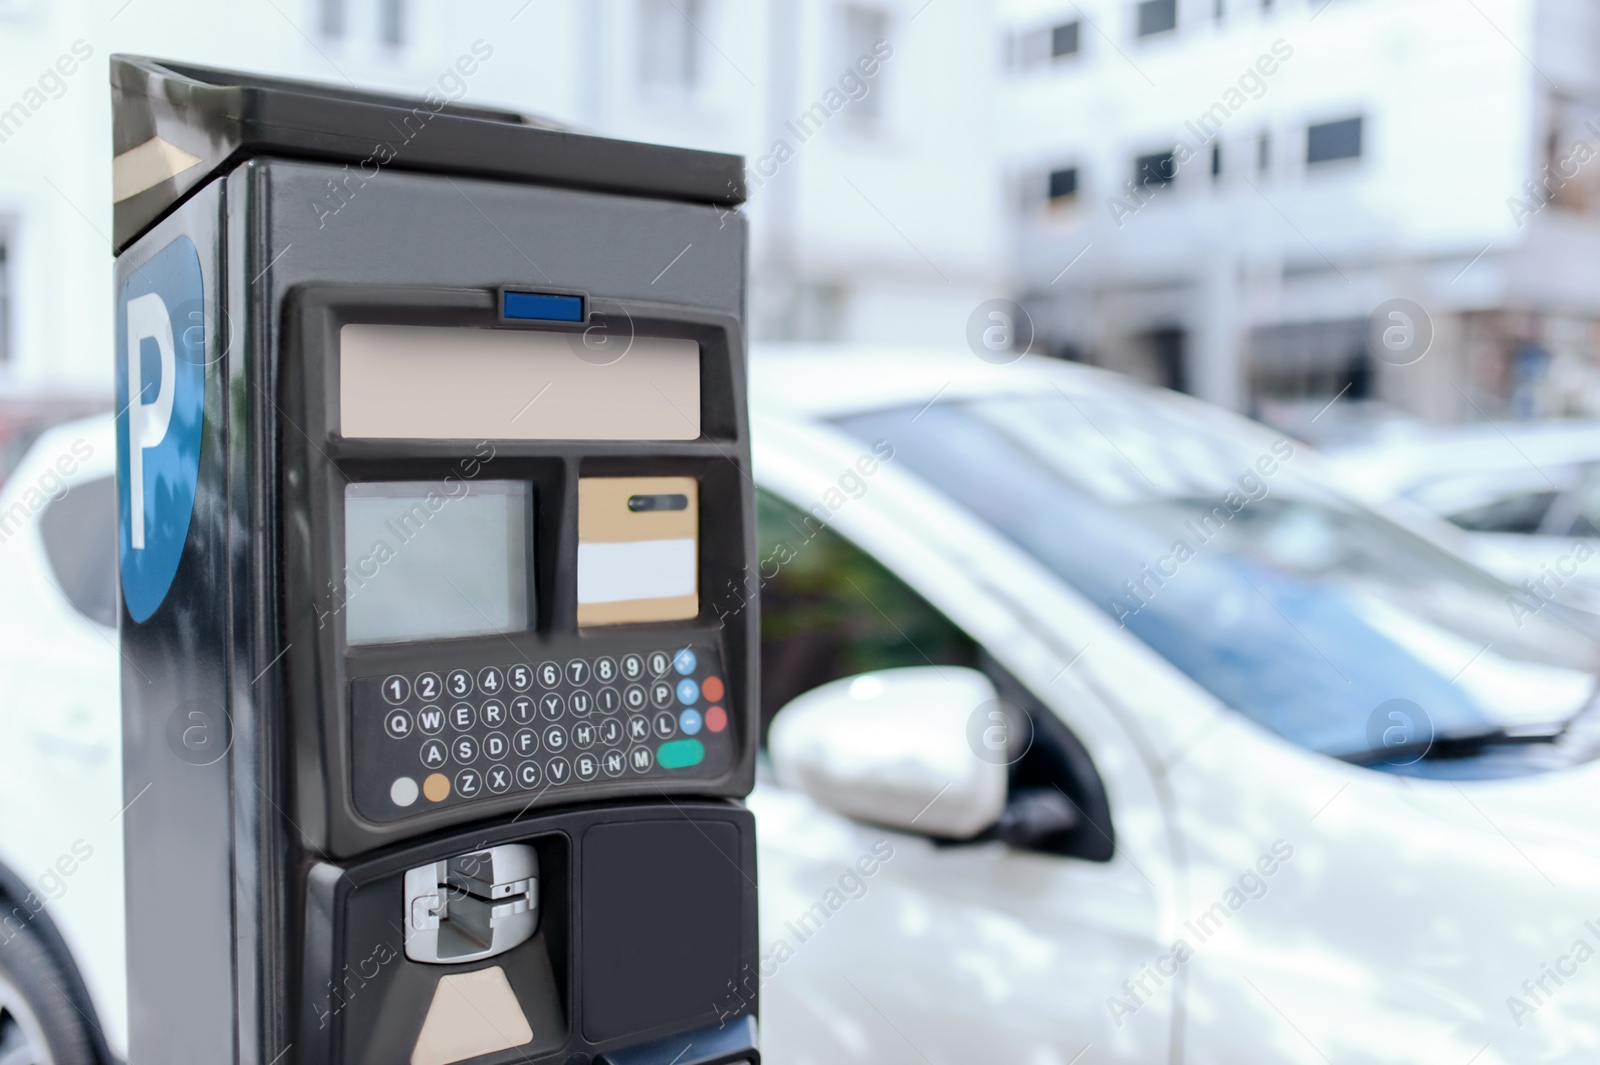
(893, 747)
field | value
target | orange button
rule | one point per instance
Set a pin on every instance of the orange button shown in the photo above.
(716, 718)
(712, 689)
(436, 787)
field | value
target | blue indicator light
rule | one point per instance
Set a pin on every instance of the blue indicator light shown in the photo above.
(690, 722)
(688, 692)
(542, 307)
(684, 662)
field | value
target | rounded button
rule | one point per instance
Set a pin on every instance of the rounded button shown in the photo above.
(498, 778)
(555, 739)
(583, 735)
(464, 749)
(395, 690)
(496, 746)
(608, 700)
(577, 671)
(552, 706)
(712, 689)
(666, 725)
(605, 670)
(522, 709)
(468, 783)
(520, 677)
(640, 759)
(632, 667)
(611, 732)
(690, 722)
(428, 687)
(458, 682)
(634, 698)
(661, 693)
(580, 703)
(716, 719)
(638, 729)
(528, 775)
(658, 663)
(430, 719)
(403, 792)
(433, 754)
(615, 763)
(688, 692)
(490, 680)
(436, 788)
(526, 741)
(586, 766)
(493, 714)
(558, 771)
(462, 715)
(684, 662)
(549, 674)
(397, 723)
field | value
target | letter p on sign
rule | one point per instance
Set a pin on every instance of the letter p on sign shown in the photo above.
(147, 422)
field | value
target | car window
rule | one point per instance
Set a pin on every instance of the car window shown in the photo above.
(80, 539)
(1520, 512)
(830, 610)
(1245, 570)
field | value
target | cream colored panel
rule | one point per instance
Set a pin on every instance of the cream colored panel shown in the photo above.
(400, 381)
(472, 1014)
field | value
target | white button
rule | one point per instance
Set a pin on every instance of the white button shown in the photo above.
(459, 682)
(605, 670)
(428, 687)
(549, 674)
(520, 677)
(397, 723)
(395, 690)
(641, 759)
(403, 792)
(632, 667)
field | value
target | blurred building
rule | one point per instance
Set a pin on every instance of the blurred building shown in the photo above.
(876, 206)
(1216, 195)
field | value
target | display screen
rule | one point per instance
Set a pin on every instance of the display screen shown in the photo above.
(436, 559)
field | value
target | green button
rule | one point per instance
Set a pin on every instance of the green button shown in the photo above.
(680, 754)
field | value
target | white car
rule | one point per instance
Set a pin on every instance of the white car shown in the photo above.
(1528, 497)
(1109, 731)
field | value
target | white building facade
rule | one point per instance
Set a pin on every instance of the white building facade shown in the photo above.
(1217, 195)
(872, 215)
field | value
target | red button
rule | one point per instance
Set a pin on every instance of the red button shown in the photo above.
(712, 689)
(716, 718)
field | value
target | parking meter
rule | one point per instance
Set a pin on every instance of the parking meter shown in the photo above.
(432, 451)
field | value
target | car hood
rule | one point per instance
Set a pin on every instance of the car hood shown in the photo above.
(1455, 920)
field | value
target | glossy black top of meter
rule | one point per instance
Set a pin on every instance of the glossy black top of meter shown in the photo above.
(222, 117)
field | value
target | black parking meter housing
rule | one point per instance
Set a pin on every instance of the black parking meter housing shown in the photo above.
(434, 477)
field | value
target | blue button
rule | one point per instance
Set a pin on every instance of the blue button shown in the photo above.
(684, 662)
(542, 306)
(688, 692)
(689, 721)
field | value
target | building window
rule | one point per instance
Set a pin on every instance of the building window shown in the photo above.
(669, 44)
(1155, 170)
(1328, 142)
(1157, 16)
(392, 22)
(860, 29)
(1063, 185)
(1064, 40)
(5, 296)
(331, 19)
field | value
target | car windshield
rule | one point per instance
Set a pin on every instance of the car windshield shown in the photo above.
(1230, 558)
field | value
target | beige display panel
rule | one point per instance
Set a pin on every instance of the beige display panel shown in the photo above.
(638, 564)
(432, 383)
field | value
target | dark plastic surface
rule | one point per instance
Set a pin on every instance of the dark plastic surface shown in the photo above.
(647, 914)
(225, 116)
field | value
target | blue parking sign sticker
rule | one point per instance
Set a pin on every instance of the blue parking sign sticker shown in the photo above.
(161, 391)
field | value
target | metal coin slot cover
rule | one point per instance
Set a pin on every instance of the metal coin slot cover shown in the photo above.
(472, 906)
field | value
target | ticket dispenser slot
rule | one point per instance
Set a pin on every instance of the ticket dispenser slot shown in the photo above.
(466, 582)
(472, 906)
